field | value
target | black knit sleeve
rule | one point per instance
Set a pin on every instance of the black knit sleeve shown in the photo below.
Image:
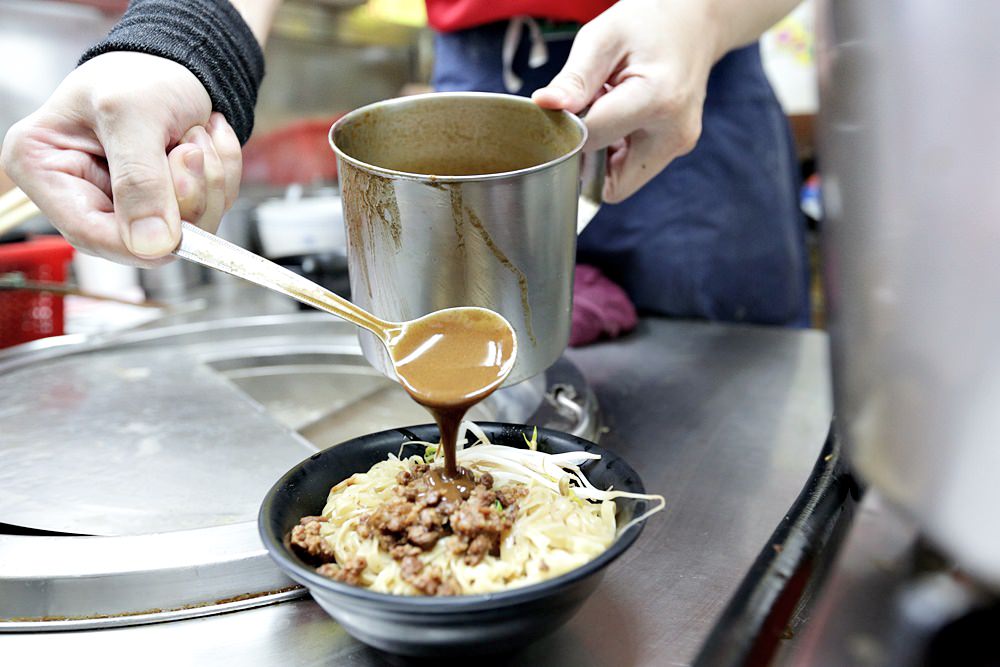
(209, 37)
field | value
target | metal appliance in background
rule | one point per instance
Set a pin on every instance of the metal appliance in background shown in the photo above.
(910, 575)
(911, 158)
(456, 199)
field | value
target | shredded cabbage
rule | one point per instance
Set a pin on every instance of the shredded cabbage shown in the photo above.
(530, 466)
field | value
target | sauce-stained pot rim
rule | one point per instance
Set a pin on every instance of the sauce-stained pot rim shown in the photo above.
(465, 178)
(390, 603)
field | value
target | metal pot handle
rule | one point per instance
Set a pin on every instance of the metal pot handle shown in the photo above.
(591, 187)
(574, 414)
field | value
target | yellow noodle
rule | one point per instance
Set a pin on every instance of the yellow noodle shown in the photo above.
(552, 534)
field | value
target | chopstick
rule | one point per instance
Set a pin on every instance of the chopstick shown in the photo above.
(15, 208)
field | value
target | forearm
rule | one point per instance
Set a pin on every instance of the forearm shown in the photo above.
(737, 23)
(258, 14)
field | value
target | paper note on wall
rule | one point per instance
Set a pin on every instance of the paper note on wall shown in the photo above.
(789, 54)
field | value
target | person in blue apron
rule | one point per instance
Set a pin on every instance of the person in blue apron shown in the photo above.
(718, 234)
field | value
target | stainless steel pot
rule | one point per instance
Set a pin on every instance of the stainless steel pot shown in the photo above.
(910, 157)
(455, 199)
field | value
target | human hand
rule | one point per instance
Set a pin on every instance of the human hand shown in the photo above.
(642, 66)
(206, 181)
(94, 157)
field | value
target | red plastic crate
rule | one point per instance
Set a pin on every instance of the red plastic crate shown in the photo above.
(296, 153)
(26, 316)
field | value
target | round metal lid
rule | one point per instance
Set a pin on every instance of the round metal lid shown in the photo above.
(170, 473)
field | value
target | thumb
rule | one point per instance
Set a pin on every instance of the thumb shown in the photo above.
(141, 187)
(592, 60)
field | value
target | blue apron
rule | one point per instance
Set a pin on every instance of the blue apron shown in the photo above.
(718, 234)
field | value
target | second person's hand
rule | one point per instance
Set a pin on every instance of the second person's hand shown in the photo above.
(642, 66)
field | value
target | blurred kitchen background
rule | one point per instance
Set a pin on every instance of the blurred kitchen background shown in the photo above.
(324, 58)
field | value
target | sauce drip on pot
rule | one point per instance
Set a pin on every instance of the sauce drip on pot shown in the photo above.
(450, 362)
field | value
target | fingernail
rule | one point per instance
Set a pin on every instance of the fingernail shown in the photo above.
(150, 237)
(195, 162)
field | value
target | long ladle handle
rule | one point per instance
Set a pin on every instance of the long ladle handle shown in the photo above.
(209, 250)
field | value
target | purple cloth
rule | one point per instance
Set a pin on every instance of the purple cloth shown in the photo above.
(601, 309)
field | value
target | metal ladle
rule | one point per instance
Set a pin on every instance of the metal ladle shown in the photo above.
(464, 373)
(495, 345)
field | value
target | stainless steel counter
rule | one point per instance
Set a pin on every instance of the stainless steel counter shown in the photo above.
(725, 421)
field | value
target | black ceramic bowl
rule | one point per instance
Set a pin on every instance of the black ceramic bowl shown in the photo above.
(434, 626)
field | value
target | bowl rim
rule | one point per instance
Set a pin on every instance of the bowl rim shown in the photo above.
(307, 576)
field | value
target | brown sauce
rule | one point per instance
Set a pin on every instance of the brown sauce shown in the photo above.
(453, 489)
(448, 363)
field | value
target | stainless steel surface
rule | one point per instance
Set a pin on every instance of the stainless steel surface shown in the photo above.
(197, 610)
(92, 445)
(909, 163)
(724, 421)
(500, 234)
(59, 583)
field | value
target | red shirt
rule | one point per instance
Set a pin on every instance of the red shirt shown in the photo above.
(448, 15)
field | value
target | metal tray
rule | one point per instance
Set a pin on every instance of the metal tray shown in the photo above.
(125, 500)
